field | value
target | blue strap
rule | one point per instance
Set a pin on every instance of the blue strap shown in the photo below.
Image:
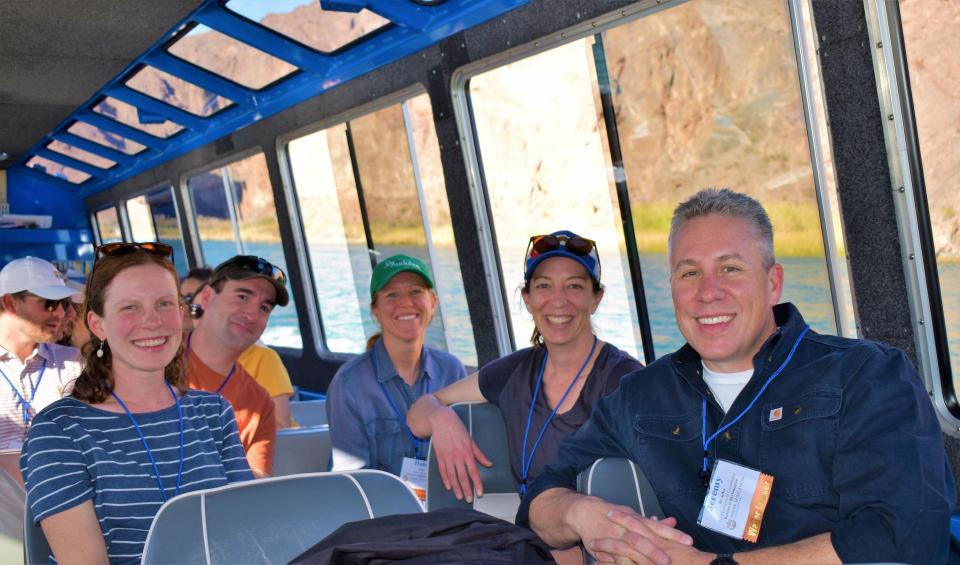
(24, 403)
(704, 475)
(526, 462)
(230, 374)
(153, 462)
(415, 442)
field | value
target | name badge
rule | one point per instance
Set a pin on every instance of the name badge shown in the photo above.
(735, 501)
(414, 473)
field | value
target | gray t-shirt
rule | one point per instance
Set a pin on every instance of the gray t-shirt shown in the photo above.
(509, 382)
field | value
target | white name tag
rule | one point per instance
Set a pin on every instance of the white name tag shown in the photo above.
(414, 473)
(736, 501)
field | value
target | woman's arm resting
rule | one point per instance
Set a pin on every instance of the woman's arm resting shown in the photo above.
(74, 535)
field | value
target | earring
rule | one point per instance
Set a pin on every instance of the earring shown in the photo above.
(100, 349)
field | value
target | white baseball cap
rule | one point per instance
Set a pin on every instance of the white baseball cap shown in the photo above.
(35, 276)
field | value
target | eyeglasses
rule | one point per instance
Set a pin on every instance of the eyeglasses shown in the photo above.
(125, 248)
(49, 304)
(251, 264)
(188, 297)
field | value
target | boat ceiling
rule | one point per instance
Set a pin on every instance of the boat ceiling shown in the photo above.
(95, 92)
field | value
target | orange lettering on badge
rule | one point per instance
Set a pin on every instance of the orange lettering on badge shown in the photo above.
(761, 496)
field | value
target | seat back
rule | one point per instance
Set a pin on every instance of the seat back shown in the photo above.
(270, 520)
(620, 481)
(309, 413)
(501, 499)
(35, 546)
(302, 450)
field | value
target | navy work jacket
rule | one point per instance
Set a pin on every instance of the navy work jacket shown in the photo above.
(847, 431)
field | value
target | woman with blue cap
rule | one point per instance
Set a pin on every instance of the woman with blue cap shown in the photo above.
(545, 392)
(368, 399)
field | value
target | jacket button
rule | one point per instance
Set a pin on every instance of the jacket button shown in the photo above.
(675, 431)
(727, 436)
(796, 411)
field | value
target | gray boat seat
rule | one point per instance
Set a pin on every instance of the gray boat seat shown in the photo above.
(501, 496)
(302, 450)
(620, 481)
(309, 413)
(270, 520)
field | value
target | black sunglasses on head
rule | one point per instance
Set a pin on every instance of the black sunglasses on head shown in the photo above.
(580, 246)
(251, 264)
(125, 248)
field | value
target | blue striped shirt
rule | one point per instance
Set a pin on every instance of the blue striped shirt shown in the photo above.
(75, 452)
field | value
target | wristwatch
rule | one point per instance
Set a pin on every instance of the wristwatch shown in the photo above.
(724, 559)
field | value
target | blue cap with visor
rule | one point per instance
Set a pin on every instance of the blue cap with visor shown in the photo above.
(563, 243)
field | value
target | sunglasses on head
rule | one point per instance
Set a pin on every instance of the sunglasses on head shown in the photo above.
(50, 304)
(252, 264)
(577, 245)
(125, 248)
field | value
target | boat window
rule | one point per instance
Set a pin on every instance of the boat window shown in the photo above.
(130, 115)
(389, 160)
(307, 22)
(668, 138)
(80, 154)
(105, 138)
(153, 217)
(931, 42)
(230, 58)
(235, 214)
(177, 92)
(108, 225)
(55, 169)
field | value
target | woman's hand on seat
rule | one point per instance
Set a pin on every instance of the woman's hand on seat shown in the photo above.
(457, 455)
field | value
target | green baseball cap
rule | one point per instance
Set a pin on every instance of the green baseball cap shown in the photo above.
(393, 266)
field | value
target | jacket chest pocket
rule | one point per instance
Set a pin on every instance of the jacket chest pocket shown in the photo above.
(798, 442)
(389, 443)
(669, 451)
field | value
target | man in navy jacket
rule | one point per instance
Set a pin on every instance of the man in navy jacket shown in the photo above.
(844, 426)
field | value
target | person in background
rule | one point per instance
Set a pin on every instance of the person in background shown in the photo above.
(263, 363)
(99, 463)
(73, 331)
(545, 392)
(764, 441)
(34, 371)
(368, 399)
(230, 312)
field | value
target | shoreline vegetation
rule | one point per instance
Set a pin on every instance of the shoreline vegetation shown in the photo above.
(796, 230)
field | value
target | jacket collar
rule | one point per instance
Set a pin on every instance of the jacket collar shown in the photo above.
(386, 371)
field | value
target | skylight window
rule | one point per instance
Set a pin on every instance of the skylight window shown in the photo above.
(232, 59)
(105, 138)
(306, 22)
(127, 114)
(177, 92)
(55, 169)
(80, 154)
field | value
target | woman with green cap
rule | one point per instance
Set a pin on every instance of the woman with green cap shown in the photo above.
(368, 399)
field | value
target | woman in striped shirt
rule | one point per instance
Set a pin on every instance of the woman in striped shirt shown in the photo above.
(99, 464)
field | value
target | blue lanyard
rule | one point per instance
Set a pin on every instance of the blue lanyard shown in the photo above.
(415, 442)
(704, 475)
(525, 462)
(24, 403)
(156, 470)
(230, 374)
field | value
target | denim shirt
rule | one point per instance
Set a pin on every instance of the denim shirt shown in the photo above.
(365, 430)
(847, 431)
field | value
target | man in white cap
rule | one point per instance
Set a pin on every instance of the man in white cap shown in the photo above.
(34, 371)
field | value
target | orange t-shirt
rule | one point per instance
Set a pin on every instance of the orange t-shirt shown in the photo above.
(251, 404)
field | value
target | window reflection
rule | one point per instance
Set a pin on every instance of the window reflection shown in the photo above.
(177, 92)
(55, 169)
(225, 56)
(307, 22)
(931, 43)
(108, 226)
(80, 154)
(153, 217)
(128, 115)
(105, 138)
(235, 214)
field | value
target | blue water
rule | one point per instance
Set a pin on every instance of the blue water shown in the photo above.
(342, 291)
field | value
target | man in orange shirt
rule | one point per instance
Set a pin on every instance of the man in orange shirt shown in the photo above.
(232, 310)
